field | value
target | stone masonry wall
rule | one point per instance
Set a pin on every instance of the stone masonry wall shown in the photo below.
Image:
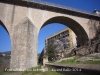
(24, 54)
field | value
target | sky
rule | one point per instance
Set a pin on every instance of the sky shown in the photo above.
(50, 29)
(5, 43)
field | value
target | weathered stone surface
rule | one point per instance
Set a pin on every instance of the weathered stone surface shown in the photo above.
(89, 49)
(58, 45)
(86, 50)
(24, 52)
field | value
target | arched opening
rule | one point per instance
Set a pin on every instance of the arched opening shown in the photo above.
(5, 38)
(1, 24)
(46, 32)
(82, 36)
(5, 47)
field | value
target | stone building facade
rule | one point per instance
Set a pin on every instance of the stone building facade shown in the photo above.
(62, 40)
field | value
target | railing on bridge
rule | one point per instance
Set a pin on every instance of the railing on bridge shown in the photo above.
(62, 7)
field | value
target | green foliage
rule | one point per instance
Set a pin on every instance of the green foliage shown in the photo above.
(39, 72)
(32, 71)
(51, 52)
(40, 59)
(8, 72)
(73, 61)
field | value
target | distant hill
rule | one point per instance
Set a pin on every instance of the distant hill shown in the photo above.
(7, 52)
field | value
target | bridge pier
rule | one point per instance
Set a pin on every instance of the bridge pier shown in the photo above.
(24, 53)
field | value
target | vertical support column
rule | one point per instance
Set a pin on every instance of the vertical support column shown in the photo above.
(74, 40)
(70, 36)
(45, 57)
(24, 53)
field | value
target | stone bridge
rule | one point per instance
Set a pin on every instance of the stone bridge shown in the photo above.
(23, 21)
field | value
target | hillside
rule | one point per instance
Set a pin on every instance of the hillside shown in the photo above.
(5, 60)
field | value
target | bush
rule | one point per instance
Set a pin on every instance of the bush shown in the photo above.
(51, 52)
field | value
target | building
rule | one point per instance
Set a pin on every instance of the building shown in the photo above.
(62, 40)
(97, 12)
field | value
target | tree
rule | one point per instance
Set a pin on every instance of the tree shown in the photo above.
(40, 59)
(51, 52)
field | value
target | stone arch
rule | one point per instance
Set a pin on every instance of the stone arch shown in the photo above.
(8, 32)
(73, 25)
(2, 24)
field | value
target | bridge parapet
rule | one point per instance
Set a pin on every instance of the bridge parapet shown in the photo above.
(52, 7)
(61, 6)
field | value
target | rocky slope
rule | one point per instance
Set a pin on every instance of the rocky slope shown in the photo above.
(92, 47)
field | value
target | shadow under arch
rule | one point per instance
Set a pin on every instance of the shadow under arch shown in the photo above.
(73, 25)
(1, 23)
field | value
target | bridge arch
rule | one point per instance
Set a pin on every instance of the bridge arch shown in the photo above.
(5, 28)
(73, 25)
(2, 24)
